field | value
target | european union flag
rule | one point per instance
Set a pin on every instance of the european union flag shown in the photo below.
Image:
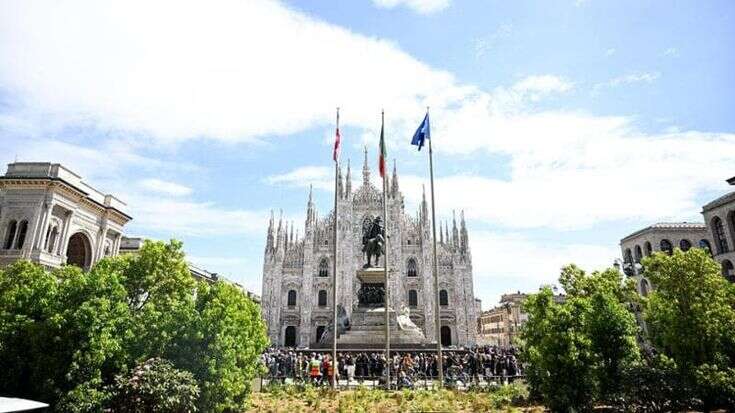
(422, 133)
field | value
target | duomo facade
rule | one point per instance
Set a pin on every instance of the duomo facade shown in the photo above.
(297, 272)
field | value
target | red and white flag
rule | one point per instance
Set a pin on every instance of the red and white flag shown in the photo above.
(337, 139)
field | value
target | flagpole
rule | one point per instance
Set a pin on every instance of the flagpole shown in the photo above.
(385, 243)
(440, 361)
(334, 267)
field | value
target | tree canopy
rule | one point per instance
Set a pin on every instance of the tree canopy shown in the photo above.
(65, 334)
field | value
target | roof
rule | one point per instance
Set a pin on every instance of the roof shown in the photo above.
(725, 199)
(669, 226)
(57, 172)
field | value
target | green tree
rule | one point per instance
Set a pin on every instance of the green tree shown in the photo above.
(155, 386)
(691, 317)
(66, 334)
(577, 350)
(222, 347)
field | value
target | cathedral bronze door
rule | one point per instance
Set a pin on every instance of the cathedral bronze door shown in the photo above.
(290, 339)
(446, 333)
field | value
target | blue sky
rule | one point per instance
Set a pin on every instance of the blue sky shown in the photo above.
(559, 127)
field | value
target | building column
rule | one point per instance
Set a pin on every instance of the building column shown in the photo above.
(64, 240)
(40, 226)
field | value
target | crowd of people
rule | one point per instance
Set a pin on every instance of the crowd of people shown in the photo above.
(470, 365)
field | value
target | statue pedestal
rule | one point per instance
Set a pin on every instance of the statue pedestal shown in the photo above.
(367, 323)
(372, 275)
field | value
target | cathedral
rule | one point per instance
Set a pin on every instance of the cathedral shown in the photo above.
(297, 272)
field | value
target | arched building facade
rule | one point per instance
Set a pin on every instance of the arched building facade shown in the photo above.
(49, 215)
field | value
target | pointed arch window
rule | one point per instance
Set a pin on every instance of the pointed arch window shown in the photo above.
(718, 230)
(292, 298)
(411, 268)
(10, 234)
(324, 267)
(443, 297)
(322, 299)
(413, 298)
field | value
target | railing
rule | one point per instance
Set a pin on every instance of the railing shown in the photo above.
(463, 381)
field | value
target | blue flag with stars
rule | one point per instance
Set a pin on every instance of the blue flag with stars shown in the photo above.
(422, 133)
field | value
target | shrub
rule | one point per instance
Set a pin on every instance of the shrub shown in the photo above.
(155, 385)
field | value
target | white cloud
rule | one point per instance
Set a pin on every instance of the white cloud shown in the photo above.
(521, 263)
(631, 78)
(646, 77)
(321, 177)
(484, 44)
(207, 72)
(419, 6)
(536, 87)
(572, 170)
(671, 52)
(165, 187)
(177, 218)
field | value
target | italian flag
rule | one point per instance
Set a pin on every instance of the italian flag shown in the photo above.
(383, 154)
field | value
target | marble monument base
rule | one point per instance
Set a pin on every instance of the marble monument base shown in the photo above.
(367, 324)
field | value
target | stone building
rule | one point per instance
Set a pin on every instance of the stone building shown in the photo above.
(719, 216)
(500, 325)
(659, 237)
(297, 272)
(49, 215)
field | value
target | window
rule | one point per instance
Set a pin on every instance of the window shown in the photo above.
(628, 256)
(413, 299)
(727, 271)
(666, 246)
(411, 267)
(22, 230)
(10, 234)
(51, 235)
(644, 287)
(685, 245)
(322, 298)
(292, 298)
(319, 332)
(638, 253)
(324, 268)
(443, 297)
(705, 245)
(718, 230)
(649, 249)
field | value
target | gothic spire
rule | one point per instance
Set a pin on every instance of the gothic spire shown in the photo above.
(269, 240)
(310, 210)
(340, 190)
(348, 180)
(424, 206)
(365, 171)
(280, 233)
(455, 233)
(394, 184)
(446, 232)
